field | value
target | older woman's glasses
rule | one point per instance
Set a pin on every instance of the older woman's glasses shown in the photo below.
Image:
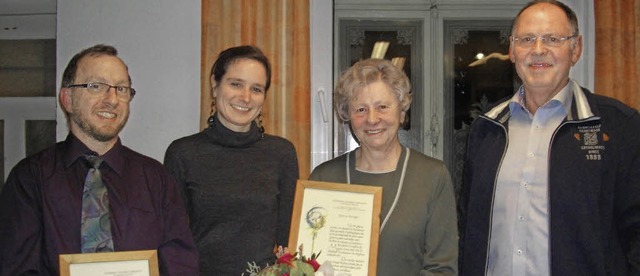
(123, 93)
(547, 40)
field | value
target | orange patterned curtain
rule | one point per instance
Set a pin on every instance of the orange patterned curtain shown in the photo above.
(281, 29)
(617, 68)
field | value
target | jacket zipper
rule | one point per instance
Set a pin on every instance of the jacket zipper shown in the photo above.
(495, 180)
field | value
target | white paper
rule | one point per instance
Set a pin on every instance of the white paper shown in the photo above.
(115, 268)
(341, 222)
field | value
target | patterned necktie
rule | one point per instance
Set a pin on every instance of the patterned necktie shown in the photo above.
(95, 226)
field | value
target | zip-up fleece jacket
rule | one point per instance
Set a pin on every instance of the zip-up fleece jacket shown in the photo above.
(594, 188)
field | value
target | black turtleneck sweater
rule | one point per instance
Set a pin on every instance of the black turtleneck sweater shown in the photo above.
(239, 190)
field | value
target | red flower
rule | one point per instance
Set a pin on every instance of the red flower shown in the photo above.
(286, 259)
(314, 263)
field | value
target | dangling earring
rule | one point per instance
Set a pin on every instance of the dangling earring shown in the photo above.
(213, 111)
(259, 122)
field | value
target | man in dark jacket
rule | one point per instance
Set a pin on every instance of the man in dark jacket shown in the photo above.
(552, 176)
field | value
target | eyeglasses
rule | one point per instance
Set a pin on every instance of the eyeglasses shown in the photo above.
(547, 40)
(123, 93)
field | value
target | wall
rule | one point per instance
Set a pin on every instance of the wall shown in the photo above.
(160, 42)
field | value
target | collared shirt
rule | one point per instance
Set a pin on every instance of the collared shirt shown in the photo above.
(40, 210)
(520, 221)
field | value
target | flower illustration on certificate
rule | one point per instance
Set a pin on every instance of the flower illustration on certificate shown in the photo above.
(316, 219)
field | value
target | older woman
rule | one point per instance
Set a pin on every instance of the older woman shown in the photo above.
(238, 181)
(418, 233)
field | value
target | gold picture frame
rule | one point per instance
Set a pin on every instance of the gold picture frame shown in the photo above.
(122, 263)
(339, 221)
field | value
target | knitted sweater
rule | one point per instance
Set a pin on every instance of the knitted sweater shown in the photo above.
(239, 190)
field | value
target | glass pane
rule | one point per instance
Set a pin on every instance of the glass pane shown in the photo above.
(404, 38)
(27, 68)
(478, 73)
(40, 134)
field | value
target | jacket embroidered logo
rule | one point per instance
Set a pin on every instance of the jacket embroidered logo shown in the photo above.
(592, 146)
(590, 139)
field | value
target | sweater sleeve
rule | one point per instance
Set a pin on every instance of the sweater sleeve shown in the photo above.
(441, 235)
(174, 164)
(287, 186)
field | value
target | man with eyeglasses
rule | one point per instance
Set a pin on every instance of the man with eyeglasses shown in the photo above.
(89, 193)
(552, 175)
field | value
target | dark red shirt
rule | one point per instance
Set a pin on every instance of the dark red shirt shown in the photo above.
(40, 209)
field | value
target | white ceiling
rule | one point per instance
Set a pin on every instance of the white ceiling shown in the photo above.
(28, 19)
(15, 7)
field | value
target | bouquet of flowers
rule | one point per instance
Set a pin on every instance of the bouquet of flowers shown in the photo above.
(292, 264)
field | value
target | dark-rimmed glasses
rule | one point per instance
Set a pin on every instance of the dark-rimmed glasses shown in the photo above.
(123, 93)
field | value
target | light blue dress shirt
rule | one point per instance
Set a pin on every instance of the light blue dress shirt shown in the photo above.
(519, 243)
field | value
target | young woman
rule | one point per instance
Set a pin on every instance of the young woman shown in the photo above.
(238, 181)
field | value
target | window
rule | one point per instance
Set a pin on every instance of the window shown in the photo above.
(27, 99)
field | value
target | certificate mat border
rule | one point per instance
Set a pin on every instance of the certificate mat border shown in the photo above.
(149, 255)
(296, 215)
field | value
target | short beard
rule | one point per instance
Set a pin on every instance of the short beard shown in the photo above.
(91, 130)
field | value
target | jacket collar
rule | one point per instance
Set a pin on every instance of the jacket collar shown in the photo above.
(580, 108)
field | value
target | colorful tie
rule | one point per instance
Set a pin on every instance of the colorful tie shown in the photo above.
(95, 225)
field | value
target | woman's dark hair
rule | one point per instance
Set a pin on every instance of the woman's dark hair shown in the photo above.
(229, 56)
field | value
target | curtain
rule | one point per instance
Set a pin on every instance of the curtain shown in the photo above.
(281, 29)
(617, 60)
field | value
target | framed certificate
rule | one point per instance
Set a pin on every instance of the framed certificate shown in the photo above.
(122, 263)
(339, 221)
